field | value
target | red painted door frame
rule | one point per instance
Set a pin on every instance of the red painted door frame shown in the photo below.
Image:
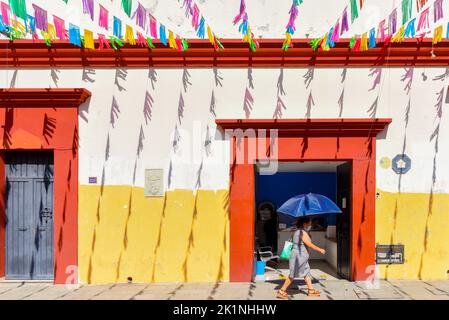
(46, 119)
(351, 140)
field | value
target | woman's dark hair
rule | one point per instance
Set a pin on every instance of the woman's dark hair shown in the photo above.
(302, 221)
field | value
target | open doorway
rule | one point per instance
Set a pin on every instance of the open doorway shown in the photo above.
(332, 179)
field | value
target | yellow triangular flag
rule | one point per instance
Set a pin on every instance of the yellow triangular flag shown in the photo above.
(364, 42)
(399, 36)
(210, 34)
(21, 27)
(18, 25)
(171, 40)
(51, 31)
(129, 35)
(437, 35)
(88, 39)
(324, 44)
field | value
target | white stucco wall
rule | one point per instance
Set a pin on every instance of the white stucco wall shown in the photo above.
(296, 88)
(229, 87)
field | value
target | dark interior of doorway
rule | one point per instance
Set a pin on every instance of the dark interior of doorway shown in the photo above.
(330, 178)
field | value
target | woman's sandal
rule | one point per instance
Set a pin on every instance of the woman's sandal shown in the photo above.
(282, 294)
(313, 293)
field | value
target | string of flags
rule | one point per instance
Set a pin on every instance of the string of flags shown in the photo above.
(387, 30)
(245, 28)
(411, 19)
(16, 22)
(291, 28)
(407, 27)
(339, 28)
(192, 12)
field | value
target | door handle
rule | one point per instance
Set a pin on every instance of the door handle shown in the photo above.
(46, 214)
(23, 229)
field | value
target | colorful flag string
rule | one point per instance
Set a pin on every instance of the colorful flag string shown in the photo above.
(245, 28)
(387, 29)
(407, 28)
(37, 25)
(329, 39)
(291, 27)
(38, 21)
(192, 12)
(142, 16)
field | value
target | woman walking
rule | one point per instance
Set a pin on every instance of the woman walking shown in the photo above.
(299, 259)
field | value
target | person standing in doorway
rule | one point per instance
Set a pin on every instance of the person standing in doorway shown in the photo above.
(299, 259)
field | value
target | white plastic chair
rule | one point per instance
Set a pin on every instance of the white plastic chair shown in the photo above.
(266, 254)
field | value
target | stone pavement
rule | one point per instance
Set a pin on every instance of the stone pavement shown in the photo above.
(331, 290)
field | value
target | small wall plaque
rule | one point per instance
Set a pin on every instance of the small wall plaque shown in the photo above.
(390, 254)
(154, 183)
(92, 180)
(401, 164)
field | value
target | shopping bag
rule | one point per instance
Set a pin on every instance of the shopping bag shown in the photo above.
(287, 251)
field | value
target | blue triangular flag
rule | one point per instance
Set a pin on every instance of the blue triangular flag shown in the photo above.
(74, 35)
(410, 30)
(243, 27)
(118, 28)
(31, 23)
(162, 35)
(2, 25)
(329, 41)
(201, 33)
(372, 38)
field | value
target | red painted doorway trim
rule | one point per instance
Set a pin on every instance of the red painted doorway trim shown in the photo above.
(352, 140)
(46, 119)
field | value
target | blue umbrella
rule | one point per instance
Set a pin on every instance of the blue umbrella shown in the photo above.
(306, 205)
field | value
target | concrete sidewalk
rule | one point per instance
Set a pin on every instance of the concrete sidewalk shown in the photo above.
(331, 290)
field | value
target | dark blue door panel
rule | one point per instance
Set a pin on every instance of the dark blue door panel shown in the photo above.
(29, 216)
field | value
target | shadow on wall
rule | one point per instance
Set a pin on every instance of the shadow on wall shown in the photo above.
(83, 110)
(419, 220)
(179, 237)
(409, 228)
(280, 105)
(9, 122)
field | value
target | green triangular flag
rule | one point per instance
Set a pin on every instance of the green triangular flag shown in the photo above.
(114, 42)
(127, 7)
(19, 8)
(185, 44)
(150, 43)
(406, 10)
(315, 43)
(354, 10)
(352, 42)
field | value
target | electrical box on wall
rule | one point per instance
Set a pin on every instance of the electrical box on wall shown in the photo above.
(154, 183)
